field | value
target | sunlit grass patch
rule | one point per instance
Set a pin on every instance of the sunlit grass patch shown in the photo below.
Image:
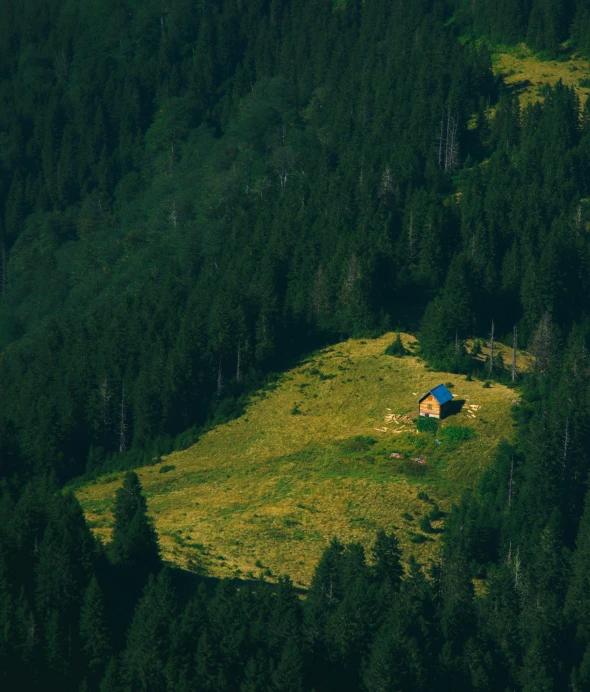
(528, 73)
(274, 487)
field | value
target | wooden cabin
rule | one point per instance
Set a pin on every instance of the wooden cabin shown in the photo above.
(436, 403)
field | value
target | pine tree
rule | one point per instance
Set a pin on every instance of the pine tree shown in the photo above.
(94, 633)
(7, 642)
(580, 678)
(254, 676)
(187, 629)
(57, 648)
(148, 640)
(111, 680)
(284, 620)
(386, 556)
(577, 605)
(385, 668)
(134, 541)
(64, 561)
(206, 669)
(288, 676)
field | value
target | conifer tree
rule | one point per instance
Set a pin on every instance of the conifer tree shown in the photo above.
(285, 615)
(94, 632)
(288, 676)
(578, 596)
(6, 628)
(111, 680)
(385, 669)
(148, 640)
(134, 541)
(206, 669)
(254, 676)
(386, 556)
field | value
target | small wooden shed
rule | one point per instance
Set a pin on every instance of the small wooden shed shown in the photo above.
(435, 403)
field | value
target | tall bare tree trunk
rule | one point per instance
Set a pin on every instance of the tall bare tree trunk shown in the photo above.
(220, 385)
(447, 140)
(105, 395)
(543, 342)
(441, 140)
(492, 348)
(517, 567)
(239, 364)
(448, 143)
(173, 213)
(123, 423)
(566, 441)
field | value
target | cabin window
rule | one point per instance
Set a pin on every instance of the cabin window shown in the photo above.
(429, 406)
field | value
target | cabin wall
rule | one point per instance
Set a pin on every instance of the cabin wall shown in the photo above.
(430, 407)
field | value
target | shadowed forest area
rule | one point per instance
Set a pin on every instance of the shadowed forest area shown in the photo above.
(194, 195)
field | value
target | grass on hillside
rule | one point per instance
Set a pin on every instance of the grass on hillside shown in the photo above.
(524, 361)
(528, 73)
(311, 459)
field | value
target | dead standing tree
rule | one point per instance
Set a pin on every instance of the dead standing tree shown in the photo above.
(123, 423)
(386, 188)
(284, 165)
(220, 384)
(491, 345)
(566, 441)
(105, 398)
(448, 143)
(239, 363)
(543, 344)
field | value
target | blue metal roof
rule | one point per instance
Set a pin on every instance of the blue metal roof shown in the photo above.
(440, 393)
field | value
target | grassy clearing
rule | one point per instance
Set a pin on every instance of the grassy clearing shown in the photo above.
(525, 362)
(311, 459)
(528, 74)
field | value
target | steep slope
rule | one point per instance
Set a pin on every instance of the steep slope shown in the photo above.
(310, 460)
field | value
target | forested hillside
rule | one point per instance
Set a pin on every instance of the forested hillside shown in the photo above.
(191, 194)
(194, 194)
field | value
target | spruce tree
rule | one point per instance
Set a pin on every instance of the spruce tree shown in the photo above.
(94, 632)
(577, 605)
(206, 668)
(111, 680)
(288, 676)
(134, 541)
(148, 640)
(386, 556)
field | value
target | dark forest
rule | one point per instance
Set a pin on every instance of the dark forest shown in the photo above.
(196, 193)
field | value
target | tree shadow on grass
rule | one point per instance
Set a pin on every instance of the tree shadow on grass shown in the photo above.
(520, 87)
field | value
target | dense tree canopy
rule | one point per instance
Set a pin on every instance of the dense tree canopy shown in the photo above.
(191, 194)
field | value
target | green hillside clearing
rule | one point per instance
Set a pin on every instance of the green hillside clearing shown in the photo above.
(528, 74)
(311, 459)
